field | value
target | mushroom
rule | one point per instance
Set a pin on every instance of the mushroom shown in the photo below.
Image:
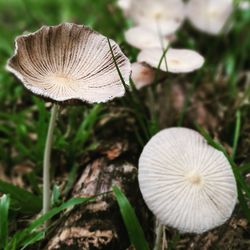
(65, 62)
(209, 16)
(186, 183)
(244, 5)
(141, 37)
(162, 16)
(69, 61)
(142, 75)
(124, 5)
(174, 60)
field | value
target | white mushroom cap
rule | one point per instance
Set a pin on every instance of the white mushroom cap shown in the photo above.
(244, 5)
(142, 38)
(165, 16)
(69, 61)
(177, 60)
(124, 4)
(209, 16)
(186, 183)
(142, 75)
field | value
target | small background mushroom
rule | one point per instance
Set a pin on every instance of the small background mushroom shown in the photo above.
(162, 16)
(174, 61)
(141, 37)
(209, 16)
(142, 75)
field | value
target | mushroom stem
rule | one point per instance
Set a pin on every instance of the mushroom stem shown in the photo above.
(151, 100)
(159, 231)
(46, 159)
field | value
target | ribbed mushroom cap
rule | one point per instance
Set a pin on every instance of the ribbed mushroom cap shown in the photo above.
(177, 60)
(142, 75)
(186, 183)
(209, 16)
(165, 16)
(69, 61)
(142, 38)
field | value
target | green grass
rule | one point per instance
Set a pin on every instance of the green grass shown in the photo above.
(134, 229)
(31, 234)
(24, 118)
(4, 211)
(243, 187)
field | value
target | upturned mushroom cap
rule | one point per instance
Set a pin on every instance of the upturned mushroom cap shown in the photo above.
(69, 61)
(209, 16)
(164, 16)
(185, 182)
(142, 75)
(175, 61)
(142, 38)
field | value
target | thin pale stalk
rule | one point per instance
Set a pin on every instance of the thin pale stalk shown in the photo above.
(159, 231)
(46, 159)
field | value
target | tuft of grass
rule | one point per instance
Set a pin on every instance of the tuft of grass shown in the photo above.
(134, 102)
(21, 200)
(33, 233)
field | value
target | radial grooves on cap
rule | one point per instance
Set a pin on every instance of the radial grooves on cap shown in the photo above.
(69, 61)
(164, 166)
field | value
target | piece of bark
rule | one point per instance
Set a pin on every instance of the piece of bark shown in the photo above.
(232, 235)
(98, 225)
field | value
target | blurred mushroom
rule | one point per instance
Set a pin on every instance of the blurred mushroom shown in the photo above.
(186, 183)
(142, 38)
(209, 16)
(69, 61)
(142, 75)
(244, 5)
(174, 61)
(162, 16)
(124, 5)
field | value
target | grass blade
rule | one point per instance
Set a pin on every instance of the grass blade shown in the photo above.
(241, 184)
(126, 87)
(4, 211)
(33, 239)
(22, 237)
(28, 202)
(243, 204)
(134, 229)
(236, 133)
(245, 168)
(135, 101)
(85, 129)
